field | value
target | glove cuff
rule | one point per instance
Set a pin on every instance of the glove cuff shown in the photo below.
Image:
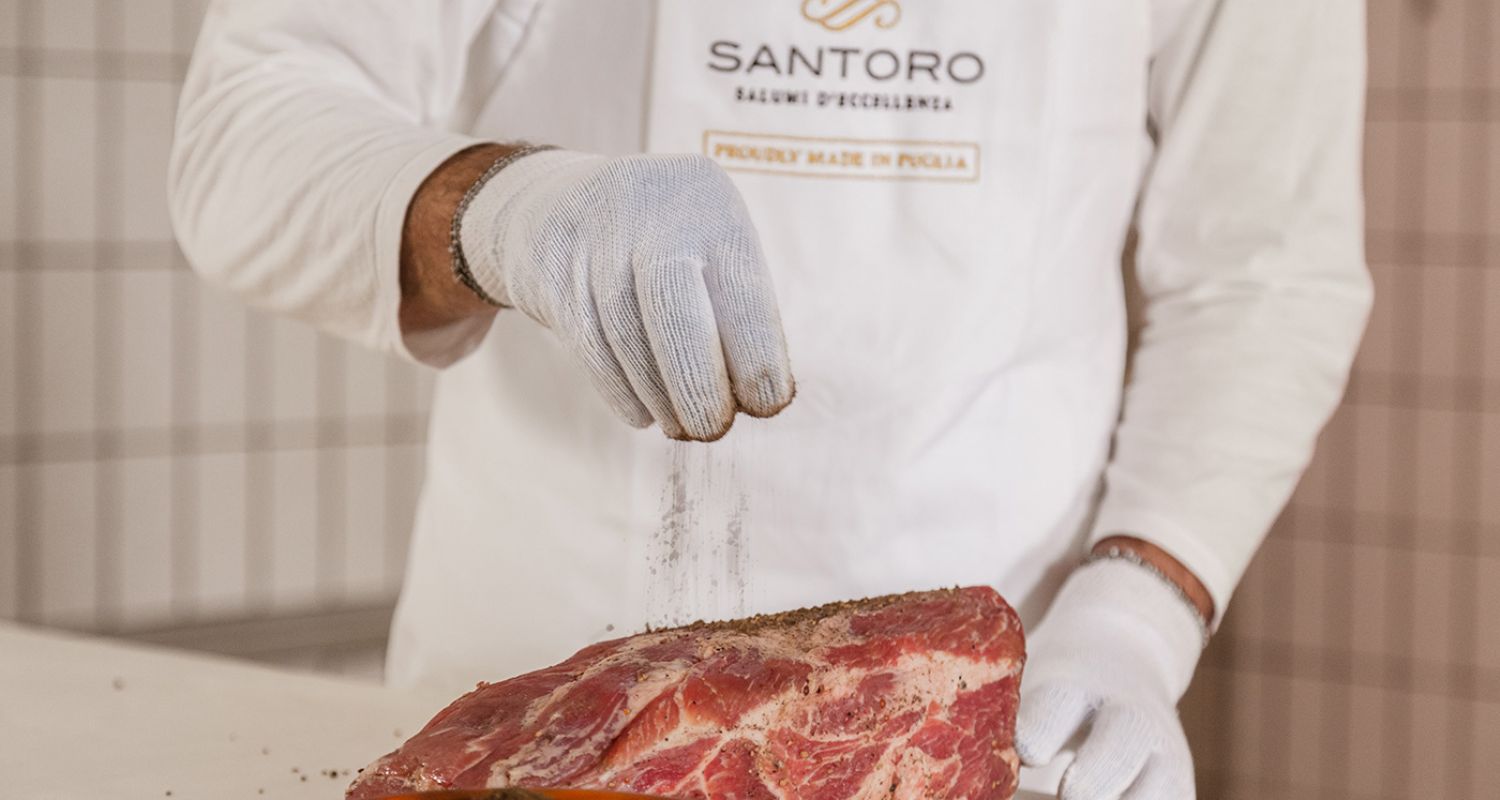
(1139, 603)
(496, 221)
(1124, 554)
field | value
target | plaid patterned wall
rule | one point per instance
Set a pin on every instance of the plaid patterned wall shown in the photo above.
(1362, 656)
(165, 455)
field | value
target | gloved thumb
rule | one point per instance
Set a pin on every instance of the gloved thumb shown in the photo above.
(1109, 760)
(1049, 716)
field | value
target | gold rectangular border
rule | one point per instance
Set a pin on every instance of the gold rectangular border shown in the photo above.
(978, 160)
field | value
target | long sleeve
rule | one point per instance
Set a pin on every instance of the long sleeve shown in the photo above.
(304, 129)
(1252, 268)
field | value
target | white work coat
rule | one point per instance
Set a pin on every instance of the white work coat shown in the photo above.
(943, 191)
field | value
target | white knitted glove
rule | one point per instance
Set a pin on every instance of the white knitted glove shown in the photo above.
(1114, 653)
(649, 271)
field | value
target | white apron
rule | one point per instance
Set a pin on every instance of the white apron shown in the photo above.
(943, 197)
(897, 162)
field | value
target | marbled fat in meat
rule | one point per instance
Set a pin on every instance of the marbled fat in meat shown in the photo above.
(903, 697)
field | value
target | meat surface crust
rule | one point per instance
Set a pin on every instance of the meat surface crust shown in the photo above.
(909, 696)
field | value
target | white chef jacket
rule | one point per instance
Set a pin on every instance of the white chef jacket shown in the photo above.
(943, 191)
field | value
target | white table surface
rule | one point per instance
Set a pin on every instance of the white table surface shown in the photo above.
(84, 718)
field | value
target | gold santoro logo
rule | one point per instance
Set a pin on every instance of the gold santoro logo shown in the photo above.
(841, 15)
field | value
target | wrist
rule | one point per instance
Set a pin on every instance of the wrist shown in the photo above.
(1117, 601)
(497, 223)
(431, 295)
(1170, 569)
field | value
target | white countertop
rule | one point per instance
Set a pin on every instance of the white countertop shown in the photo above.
(84, 718)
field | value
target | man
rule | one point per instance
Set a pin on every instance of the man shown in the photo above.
(941, 194)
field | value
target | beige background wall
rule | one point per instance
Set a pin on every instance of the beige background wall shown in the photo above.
(166, 457)
(1361, 658)
(172, 466)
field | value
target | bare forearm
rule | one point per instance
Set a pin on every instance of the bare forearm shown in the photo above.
(431, 294)
(1169, 566)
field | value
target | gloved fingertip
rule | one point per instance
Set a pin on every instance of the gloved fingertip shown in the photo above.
(611, 383)
(771, 394)
(1162, 781)
(1049, 716)
(1111, 758)
(709, 429)
(1028, 758)
(1077, 784)
(666, 419)
(635, 418)
(1070, 788)
(1033, 756)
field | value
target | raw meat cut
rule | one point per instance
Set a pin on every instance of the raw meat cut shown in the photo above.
(904, 696)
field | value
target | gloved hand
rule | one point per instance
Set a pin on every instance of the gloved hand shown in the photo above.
(649, 271)
(1115, 652)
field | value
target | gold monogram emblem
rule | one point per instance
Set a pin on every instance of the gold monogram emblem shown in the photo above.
(841, 15)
